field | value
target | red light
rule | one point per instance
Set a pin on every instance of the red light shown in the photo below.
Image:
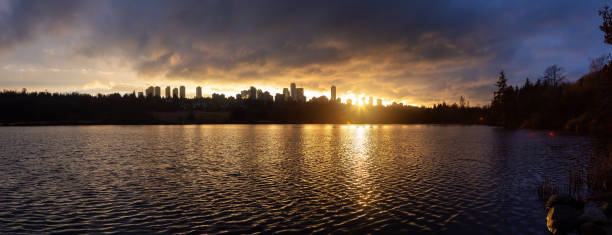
(551, 134)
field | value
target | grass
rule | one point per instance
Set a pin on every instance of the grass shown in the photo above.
(599, 178)
(575, 186)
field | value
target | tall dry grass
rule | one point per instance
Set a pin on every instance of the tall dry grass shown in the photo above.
(597, 179)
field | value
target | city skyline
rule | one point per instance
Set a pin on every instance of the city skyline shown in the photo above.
(297, 95)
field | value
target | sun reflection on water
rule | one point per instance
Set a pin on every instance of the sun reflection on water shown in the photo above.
(359, 160)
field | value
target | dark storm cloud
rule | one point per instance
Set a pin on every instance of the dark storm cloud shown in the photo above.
(287, 33)
(429, 43)
(22, 21)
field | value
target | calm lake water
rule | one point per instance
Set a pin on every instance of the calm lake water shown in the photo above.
(280, 178)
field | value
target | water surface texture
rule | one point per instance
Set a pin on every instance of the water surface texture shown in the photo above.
(279, 178)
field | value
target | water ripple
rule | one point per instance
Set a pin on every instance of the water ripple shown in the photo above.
(277, 178)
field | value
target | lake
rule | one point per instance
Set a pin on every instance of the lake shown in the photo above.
(281, 178)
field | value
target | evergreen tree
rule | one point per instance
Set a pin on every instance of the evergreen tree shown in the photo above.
(502, 84)
(606, 25)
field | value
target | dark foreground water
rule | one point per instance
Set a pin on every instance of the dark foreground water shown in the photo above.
(280, 178)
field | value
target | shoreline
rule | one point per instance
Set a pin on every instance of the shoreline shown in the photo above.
(100, 123)
(25, 124)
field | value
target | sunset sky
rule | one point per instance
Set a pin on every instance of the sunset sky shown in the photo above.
(417, 52)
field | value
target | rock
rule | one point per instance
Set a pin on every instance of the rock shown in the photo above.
(562, 219)
(562, 199)
(592, 229)
(607, 208)
(601, 197)
(593, 214)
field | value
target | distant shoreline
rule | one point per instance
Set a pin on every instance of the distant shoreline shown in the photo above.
(92, 123)
(89, 123)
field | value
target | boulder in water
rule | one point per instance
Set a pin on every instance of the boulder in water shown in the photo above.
(607, 208)
(562, 199)
(562, 219)
(592, 229)
(593, 214)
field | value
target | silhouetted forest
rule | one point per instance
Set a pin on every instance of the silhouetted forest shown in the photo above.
(46, 108)
(552, 102)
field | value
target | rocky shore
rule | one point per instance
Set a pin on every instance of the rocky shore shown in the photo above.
(565, 215)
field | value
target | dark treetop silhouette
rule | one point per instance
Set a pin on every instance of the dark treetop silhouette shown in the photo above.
(47, 108)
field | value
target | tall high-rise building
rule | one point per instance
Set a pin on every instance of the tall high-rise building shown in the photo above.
(286, 94)
(140, 95)
(157, 92)
(379, 102)
(182, 92)
(293, 91)
(265, 96)
(259, 94)
(168, 92)
(253, 93)
(371, 101)
(279, 97)
(175, 93)
(349, 102)
(199, 92)
(300, 95)
(149, 91)
(333, 93)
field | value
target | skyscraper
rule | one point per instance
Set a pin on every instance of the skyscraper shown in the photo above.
(371, 101)
(333, 93)
(279, 98)
(300, 95)
(175, 93)
(199, 92)
(253, 93)
(379, 102)
(293, 91)
(265, 96)
(157, 92)
(182, 92)
(149, 91)
(286, 94)
(168, 92)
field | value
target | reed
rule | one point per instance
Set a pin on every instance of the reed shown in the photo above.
(596, 179)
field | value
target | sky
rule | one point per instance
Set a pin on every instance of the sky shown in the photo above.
(416, 52)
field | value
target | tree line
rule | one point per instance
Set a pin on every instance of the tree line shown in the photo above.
(74, 108)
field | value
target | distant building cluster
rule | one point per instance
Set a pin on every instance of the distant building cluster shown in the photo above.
(155, 91)
(293, 93)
